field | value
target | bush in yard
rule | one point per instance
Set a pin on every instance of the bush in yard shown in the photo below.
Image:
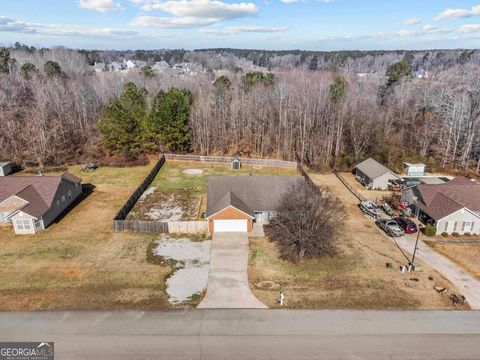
(430, 230)
(307, 223)
(444, 234)
(467, 234)
(456, 234)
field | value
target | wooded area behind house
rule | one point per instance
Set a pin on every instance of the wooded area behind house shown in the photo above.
(322, 111)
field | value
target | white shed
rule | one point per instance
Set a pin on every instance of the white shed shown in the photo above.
(5, 168)
(414, 169)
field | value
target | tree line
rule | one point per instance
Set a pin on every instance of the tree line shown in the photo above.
(327, 119)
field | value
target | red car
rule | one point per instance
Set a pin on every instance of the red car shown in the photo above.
(407, 225)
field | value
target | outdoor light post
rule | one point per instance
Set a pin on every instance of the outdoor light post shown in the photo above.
(415, 250)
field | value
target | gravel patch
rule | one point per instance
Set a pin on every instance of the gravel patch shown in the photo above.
(147, 192)
(190, 275)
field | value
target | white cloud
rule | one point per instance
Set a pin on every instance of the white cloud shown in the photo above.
(290, 1)
(188, 13)
(11, 25)
(469, 28)
(411, 21)
(245, 29)
(458, 13)
(100, 5)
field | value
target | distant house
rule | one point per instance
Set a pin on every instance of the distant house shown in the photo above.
(374, 175)
(450, 207)
(100, 67)
(5, 168)
(234, 203)
(32, 203)
(414, 169)
(421, 74)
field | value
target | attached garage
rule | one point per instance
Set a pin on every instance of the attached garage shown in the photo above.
(230, 225)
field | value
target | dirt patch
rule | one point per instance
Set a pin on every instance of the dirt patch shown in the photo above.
(165, 207)
(193, 172)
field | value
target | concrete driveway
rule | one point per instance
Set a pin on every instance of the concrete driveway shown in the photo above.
(466, 284)
(228, 277)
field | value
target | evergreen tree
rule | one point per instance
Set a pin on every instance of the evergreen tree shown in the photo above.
(4, 61)
(168, 119)
(313, 63)
(27, 69)
(338, 90)
(123, 119)
(397, 72)
(52, 68)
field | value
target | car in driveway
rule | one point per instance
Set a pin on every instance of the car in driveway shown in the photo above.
(407, 225)
(391, 227)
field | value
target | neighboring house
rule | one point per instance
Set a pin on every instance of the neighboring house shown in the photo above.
(414, 169)
(234, 203)
(421, 74)
(450, 207)
(374, 175)
(32, 203)
(5, 168)
(100, 67)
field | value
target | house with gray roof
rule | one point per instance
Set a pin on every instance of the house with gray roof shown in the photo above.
(374, 175)
(235, 203)
(32, 203)
(450, 207)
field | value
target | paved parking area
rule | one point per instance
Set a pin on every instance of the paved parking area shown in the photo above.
(228, 277)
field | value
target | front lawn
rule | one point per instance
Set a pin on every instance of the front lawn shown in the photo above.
(79, 263)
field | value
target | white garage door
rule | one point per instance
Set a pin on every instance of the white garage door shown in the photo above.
(230, 225)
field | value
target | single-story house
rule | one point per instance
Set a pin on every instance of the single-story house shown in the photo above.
(450, 207)
(374, 175)
(5, 168)
(234, 203)
(32, 203)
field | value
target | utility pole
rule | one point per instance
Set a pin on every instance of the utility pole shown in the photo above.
(415, 250)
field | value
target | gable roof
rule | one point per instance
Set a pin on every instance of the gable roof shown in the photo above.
(440, 200)
(39, 191)
(373, 169)
(248, 193)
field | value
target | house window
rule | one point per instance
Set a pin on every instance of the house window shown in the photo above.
(69, 195)
(468, 226)
(19, 224)
(37, 223)
(27, 224)
(64, 201)
(58, 203)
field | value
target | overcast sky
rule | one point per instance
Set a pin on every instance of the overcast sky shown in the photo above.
(268, 24)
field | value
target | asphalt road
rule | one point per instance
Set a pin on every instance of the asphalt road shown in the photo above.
(251, 334)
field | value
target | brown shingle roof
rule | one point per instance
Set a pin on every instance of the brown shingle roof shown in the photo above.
(39, 191)
(253, 193)
(440, 200)
(373, 169)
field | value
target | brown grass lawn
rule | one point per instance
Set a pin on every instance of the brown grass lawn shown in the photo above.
(357, 278)
(80, 263)
(368, 194)
(190, 192)
(464, 254)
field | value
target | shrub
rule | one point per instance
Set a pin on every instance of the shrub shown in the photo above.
(467, 234)
(444, 234)
(430, 230)
(456, 234)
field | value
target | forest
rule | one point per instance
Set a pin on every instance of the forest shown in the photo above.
(54, 109)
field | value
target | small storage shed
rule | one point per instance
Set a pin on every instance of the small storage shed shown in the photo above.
(5, 168)
(236, 164)
(414, 169)
(374, 175)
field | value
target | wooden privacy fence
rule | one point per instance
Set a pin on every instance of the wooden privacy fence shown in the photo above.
(132, 200)
(186, 227)
(227, 159)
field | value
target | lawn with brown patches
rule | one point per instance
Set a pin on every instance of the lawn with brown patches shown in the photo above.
(79, 263)
(356, 278)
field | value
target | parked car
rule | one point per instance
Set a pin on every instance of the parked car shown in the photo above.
(391, 227)
(407, 225)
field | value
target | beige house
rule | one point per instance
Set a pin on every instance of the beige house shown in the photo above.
(235, 203)
(32, 203)
(374, 175)
(453, 207)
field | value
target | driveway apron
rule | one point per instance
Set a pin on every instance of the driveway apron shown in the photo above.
(228, 286)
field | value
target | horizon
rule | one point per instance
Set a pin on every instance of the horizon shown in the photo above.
(275, 25)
